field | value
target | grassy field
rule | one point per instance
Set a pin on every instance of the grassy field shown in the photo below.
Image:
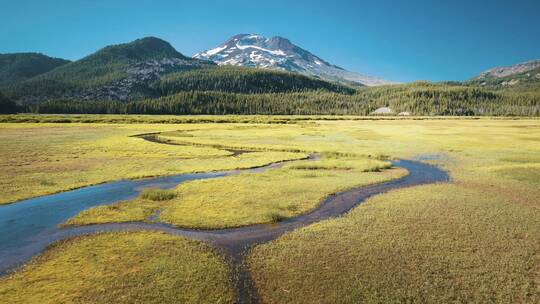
(475, 239)
(136, 267)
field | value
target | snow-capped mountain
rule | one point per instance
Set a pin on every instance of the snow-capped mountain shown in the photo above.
(279, 53)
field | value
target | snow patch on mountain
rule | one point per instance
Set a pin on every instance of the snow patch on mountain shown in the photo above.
(245, 47)
(214, 51)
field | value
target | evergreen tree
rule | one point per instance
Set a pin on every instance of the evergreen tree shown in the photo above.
(7, 106)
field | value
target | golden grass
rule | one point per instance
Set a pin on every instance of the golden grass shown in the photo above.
(474, 240)
(429, 244)
(136, 267)
(255, 198)
(120, 212)
(248, 198)
(527, 173)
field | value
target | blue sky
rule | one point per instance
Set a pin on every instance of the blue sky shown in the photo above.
(396, 40)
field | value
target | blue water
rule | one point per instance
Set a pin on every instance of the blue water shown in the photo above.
(21, 221)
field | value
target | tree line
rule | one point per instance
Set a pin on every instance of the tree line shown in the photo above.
(417, 99)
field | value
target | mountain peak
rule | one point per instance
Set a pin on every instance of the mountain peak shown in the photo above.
(279, 53)
(152, 42)
(140, 49)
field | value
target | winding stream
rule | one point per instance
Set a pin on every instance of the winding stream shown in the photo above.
(29, 226)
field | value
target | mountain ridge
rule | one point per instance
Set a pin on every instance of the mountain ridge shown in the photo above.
(524, 74)
(509, 70)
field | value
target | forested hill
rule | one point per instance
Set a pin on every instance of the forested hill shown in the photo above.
(118, 72)
(22, 66)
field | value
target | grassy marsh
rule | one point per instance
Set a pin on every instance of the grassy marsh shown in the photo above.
(39, 159)
(429, 244)
(475, 239)
(248, 198)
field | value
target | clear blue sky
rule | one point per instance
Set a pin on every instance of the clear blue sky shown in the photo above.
(397, 40)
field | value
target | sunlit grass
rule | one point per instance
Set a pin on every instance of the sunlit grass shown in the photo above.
(38, 159)
(254, 198)
(123, 211)
(523, 173)
(474, 240)
(137, 267)
(248, 198)
(430, 244)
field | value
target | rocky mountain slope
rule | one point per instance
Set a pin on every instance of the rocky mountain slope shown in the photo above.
(280, 54)
(522, 74)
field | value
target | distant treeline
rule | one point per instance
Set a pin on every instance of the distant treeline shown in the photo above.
(417, 99)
